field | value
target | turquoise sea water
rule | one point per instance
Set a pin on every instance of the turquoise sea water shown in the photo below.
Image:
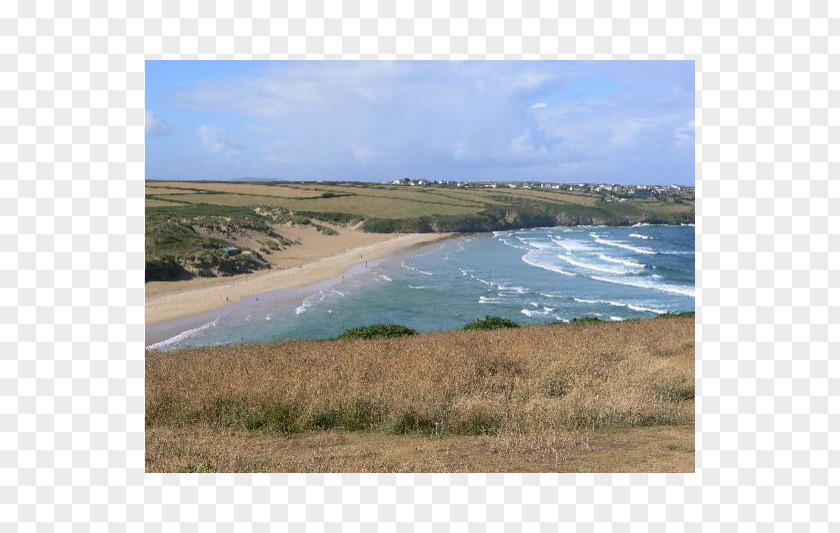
(531, 276)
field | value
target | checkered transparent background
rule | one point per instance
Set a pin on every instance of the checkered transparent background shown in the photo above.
(71, 289)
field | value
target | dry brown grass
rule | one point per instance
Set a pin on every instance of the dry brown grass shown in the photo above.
(548, 396)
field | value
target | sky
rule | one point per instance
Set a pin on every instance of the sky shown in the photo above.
(559, 121)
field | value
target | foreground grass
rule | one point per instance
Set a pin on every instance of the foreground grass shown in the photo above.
(544, 398)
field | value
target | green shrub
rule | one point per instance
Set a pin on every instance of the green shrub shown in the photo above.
(163, 268)
(477, 424)
(325, 230)
(228, 411)
(376, 331)
(586, 320)
(325, 419)
(411, 422)
(361, 415)
(491, 322)
(684, 314)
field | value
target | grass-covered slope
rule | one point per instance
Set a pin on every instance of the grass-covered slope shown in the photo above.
(389, 208)
(540, 398)
(187, 223)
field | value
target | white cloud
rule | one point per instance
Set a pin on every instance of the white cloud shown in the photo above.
(540, 105)
(684, 134)
(521, 145)
(217, 141)
(155, 126)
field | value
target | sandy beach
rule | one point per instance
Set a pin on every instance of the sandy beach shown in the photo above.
(318, 258)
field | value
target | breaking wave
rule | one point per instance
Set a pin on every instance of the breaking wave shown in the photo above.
(533, 261)
(182, 336)
(637, 249)
(645, 284)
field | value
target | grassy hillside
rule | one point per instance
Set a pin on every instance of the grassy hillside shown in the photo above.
(188, 223)
(574, 397)
(403, 208)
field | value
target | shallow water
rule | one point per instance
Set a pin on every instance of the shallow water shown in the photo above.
(530, 276)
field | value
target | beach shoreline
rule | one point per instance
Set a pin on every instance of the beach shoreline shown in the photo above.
(182, 299)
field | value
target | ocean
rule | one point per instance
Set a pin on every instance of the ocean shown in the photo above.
(532, 276)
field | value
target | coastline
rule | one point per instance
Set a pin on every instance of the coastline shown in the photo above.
(204, 295)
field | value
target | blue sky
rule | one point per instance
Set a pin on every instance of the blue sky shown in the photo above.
(596, 121)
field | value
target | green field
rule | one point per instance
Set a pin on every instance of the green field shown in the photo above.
(422, 208)
(189, 222)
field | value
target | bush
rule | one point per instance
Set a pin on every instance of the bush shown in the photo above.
(325, 230)
(491, 322)
(376, 331)
(357, 417)
(163, 269)
(684, 314)
(586, 320)
(477, 423)
(411, 422)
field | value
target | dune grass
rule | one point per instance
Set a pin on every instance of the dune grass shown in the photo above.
(522, 391)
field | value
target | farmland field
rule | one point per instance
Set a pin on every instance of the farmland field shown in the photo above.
(368, 200)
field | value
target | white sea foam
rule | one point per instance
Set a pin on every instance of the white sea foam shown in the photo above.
(616, 318)
(640, 236)
(628, 305)
(637, 249)
(512, 288)
(635, 307)
(620, 261)
(416, 287)
(533, 312)
(572, 245)
(592, 266)
(692, 225)
(385, 277)
(308, 302)
(645, 284)
(551, 295)
(425, 273)
(488, 300)
(538, 244)
(539, 263)
(181, 336)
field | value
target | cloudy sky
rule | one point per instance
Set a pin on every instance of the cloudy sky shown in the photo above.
(598, 121)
